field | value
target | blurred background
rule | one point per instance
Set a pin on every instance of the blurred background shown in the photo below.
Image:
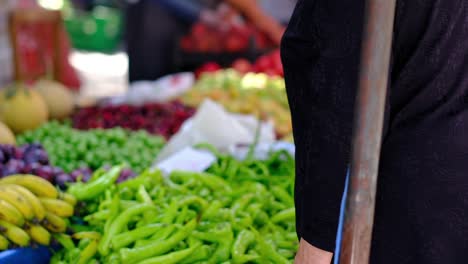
(99, 47)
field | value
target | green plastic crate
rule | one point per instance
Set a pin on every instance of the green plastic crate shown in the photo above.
(99, 30)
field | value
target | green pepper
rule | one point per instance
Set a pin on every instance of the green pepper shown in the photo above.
(126, 238)
(201, 254)
(88, 252)
(171, 258)
(158, 247)
(87, 191)
(282, 196)
(285, 215)
(118, 225)
(239, 249)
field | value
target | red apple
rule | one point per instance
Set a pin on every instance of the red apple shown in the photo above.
(242, 65)
(264, 63)
(207, 67)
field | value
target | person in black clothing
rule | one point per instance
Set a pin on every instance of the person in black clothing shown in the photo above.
(421, 214)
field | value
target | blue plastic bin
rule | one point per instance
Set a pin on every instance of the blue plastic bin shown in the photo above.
(38, 255)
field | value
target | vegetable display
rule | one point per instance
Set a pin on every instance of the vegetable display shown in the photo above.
(32, 211)
(71, 149)
(236, 212)
(159, 119)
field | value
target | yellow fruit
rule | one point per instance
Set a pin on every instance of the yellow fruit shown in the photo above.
(14, 233)
(10, 214)
(54, 223)
(6, 136)
(23, 109)
(70, 199)
(4, 243)
(37, 185)
(18, 201)
(36, 205)
(57, 97)
(57, 207)
(39, 234)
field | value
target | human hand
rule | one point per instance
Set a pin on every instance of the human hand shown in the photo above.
(308, 254)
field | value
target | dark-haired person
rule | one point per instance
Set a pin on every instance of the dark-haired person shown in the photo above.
(421, 214)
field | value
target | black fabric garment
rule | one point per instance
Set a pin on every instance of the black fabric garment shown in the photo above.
(422, 202)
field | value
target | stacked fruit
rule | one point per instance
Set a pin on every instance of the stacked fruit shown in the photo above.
(159, 119)
(269, 64)
(31, 210)
(252, 93)
(71, 149)
(235, 38)
(33, 159)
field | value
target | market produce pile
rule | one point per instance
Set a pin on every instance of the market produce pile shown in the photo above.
(236, 212)
(32, 211)
(252, 93)
(159, 119)
(71, 149)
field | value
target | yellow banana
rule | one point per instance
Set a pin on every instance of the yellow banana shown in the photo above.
(10, 214)
(32, 199)
(4, 243)
(35, 184)
(39, 234)
(14, 233)
(57, 207)
(70, 199)
(54, 223)
(17, 200)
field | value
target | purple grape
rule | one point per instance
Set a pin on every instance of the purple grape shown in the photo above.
(56, 171)
(45, 172)
(16, 165)
(62, 179)
(8, 152)
(19, 153)
(2, 157)
(42, 157)
(34, 167)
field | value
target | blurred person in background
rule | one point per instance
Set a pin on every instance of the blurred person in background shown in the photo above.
(154, 26)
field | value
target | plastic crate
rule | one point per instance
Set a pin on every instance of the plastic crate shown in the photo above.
(99, 30)
(29, 255)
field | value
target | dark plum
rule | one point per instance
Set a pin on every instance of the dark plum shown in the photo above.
(45, 172)
(62, 179)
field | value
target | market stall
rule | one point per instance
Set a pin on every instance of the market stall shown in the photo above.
(194, 167)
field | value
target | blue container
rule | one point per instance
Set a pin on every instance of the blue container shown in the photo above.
(29, 255)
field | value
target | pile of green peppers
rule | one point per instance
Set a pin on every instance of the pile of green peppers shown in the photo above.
(236, 212)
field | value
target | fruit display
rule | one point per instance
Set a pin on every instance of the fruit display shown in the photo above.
(22, 108)
(33, 159)
(72, 149)
(251, 93)
(269, 64)
(32, 211)
(236, 212)
(6, 135)
(236, 38)
(58, 98)
(159, 119)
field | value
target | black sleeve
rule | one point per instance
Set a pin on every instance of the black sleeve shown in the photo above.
(321, 52)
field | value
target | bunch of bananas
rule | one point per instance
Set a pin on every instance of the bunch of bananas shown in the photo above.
(31, 208)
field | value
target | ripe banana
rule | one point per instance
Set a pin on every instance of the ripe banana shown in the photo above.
(35, 184)
(32, 199)
(10, 214)
(57, 207)
(39, 234)
(70, 199)
(17, 200)
(4, 243)
(14, 233)
(54, 223)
